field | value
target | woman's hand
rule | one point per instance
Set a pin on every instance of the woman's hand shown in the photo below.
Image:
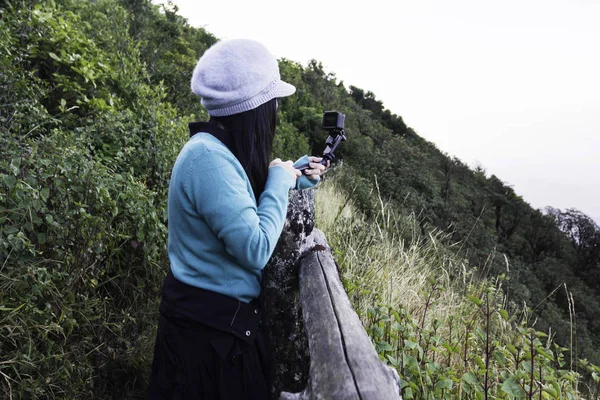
(316, 169)
(287, 165)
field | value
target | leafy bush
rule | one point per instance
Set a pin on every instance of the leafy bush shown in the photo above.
(87, 150)
(74, 235)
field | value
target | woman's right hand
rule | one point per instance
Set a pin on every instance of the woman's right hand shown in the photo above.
(287, 165)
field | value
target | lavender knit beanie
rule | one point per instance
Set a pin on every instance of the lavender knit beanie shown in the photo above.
(237, 75)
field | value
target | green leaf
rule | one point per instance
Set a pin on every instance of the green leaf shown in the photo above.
(378, 331)
(503, 314)
(556, 387)
(444, 384)
(479, 362)
(512, 387)
(41, 238)
(470, 378)
(395, 362)
(499, 356)
(15, 162)
(512, 349)
(409, 362)
(54, 56)
(37, 205)
(11, 229)
(432, 368)
(384, 346)
(9, 180)
(451, 349)
(475, 300)
(546, 353)
(551, 392)
(481, 333)
(44, 193)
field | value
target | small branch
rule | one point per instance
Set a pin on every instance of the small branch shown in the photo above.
(427, 304)
(487, 344)
(532, 350)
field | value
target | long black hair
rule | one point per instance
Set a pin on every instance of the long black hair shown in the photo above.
(251, 134)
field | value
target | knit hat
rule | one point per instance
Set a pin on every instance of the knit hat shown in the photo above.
(237, 75)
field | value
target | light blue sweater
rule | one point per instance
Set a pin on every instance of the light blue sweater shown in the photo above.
(219, 239)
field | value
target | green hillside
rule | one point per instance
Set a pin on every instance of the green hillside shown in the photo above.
(94, 105)
(446, 330)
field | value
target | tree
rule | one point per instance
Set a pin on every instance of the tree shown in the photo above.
(583, 233)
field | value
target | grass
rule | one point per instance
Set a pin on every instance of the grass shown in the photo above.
(388, 259)
(439, 321)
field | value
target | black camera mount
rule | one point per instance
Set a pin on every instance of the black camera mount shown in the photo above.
(333, 123)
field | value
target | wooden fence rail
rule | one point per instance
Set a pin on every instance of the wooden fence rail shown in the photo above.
(321, 350)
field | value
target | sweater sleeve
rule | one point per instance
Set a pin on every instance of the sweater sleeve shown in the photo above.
(219, 194)
(303, 182)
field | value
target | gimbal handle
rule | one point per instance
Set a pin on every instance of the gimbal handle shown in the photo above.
(333, 140)
(302, 167)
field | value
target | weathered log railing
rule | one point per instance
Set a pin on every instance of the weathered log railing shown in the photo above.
(319, 346)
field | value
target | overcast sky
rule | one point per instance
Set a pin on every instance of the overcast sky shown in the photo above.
(511, 85)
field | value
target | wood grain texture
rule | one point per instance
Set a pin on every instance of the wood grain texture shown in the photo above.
(343, 362)
(373, 379)
(329, 377)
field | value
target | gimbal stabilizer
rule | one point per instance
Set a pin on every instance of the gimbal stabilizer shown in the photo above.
(333, 122)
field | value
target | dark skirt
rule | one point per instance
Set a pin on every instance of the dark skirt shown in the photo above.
(194, 361)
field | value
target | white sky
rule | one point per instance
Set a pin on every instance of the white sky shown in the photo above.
(512, 85)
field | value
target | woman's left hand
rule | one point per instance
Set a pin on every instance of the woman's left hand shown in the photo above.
(316, 169)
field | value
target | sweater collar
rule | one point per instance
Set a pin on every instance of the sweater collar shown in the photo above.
(212, 129)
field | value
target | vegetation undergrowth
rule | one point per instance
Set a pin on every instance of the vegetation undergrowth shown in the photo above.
(441, 323)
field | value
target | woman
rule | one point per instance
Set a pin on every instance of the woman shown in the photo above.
(227, 207)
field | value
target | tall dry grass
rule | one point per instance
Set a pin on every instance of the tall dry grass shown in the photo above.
(389, 260)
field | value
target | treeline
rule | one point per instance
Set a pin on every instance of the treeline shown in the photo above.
(94, 101)
(552, 256)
